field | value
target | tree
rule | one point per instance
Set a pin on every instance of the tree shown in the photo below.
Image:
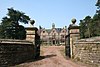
(96, 24)
(10, 27)
(96, 20)
(82, 29)
(89, 27)
(98, 6)
(85, 27)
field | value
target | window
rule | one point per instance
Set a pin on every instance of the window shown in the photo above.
(53, 31)
(62, 36)
(43, 31)
(44, 36)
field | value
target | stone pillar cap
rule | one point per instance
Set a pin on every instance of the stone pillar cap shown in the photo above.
(73, 25)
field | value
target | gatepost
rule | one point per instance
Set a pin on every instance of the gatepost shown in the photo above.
(33, 36)
(73, 35)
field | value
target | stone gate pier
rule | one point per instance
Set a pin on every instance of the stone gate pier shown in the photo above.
(73, 35)
(33, 36)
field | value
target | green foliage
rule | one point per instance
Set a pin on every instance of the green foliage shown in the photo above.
(17, 16)
(15, 32)
(85, 27)
(10, 27)
(98, 6)
(89, 27)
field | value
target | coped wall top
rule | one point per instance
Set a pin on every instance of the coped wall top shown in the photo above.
(13, 41)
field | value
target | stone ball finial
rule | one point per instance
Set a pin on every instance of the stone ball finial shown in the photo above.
(73, 20)
(32, 22)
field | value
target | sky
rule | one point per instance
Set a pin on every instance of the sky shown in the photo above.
(46, 12)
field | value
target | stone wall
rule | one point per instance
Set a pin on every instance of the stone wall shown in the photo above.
(87, 51)
(15, 51)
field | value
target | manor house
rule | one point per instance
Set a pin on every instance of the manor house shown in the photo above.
(53, 36)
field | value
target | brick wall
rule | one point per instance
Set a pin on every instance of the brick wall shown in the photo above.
(15, 51)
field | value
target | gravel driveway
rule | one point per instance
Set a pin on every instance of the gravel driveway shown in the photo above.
(51, 57)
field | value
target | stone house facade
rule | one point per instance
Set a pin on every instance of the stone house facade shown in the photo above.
(53, 36)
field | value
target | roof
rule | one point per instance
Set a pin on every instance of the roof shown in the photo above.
(49, 30)
(58, 29)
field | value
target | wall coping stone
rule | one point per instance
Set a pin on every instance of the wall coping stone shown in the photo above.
(31, 28)
(85, 42)
(88, 40)
(13, 41)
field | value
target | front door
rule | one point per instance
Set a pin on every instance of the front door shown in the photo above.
(53, 41)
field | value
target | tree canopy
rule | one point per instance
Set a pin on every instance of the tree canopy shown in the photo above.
(98, 6)
(10, 27)
(89, 27)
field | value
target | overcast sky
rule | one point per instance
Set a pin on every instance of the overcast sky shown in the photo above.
(46, 12)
